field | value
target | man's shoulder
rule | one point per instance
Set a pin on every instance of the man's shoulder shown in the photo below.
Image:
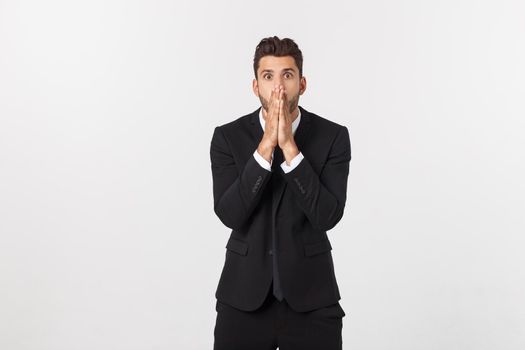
(323, 122)
(323, 128)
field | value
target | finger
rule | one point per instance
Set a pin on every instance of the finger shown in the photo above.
(275, 93)
(280, 104)
(277, 97)
(272, 103)
(285, 100)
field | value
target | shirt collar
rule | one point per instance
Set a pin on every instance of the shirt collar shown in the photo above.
(295, 123)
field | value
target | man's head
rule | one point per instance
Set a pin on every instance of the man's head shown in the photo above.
(278, 62)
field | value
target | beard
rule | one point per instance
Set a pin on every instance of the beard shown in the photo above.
(291, 102)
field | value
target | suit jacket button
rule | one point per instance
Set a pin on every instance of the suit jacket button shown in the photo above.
(270, 252)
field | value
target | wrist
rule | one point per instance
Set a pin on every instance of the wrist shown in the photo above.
(265, 149)
(267, 143)
(290, 151)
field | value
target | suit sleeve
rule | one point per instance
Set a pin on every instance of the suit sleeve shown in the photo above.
(235, 195)
(262, 162)
(322, 197)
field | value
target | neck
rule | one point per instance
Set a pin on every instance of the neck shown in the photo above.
(295, 114)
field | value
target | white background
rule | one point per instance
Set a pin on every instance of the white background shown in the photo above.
(108, 239)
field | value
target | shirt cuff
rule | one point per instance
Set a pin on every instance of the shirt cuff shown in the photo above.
(262, 162)
(293, 163)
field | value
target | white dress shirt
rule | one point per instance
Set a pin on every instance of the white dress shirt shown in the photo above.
(293, 163)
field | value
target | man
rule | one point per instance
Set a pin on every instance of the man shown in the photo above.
(279, 182)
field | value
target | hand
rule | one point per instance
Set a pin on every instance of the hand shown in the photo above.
(271, 118)
(285, 136)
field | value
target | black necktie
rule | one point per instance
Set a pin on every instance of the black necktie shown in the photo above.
(277, 158)
(276, 178)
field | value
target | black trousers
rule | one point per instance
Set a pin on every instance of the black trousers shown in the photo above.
(275, 324)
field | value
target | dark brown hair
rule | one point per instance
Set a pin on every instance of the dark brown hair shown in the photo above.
(273, 46)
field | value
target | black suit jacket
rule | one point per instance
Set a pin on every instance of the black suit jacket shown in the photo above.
(308, 203)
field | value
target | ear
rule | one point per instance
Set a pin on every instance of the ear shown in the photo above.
(302, 85)
(255, 87)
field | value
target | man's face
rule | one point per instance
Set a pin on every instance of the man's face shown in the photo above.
(274, 71)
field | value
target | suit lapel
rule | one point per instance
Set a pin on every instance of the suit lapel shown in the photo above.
(255, 128)
(303, 130)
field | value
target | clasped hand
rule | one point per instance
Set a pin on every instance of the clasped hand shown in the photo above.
(278, 127)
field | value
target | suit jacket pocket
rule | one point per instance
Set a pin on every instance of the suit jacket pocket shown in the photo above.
(237, 246)
(219, 306)
(317, 247)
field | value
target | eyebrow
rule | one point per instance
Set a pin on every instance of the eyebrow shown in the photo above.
(271, 70)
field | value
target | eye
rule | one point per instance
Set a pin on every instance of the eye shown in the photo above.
(288, 75)
(266, 76)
